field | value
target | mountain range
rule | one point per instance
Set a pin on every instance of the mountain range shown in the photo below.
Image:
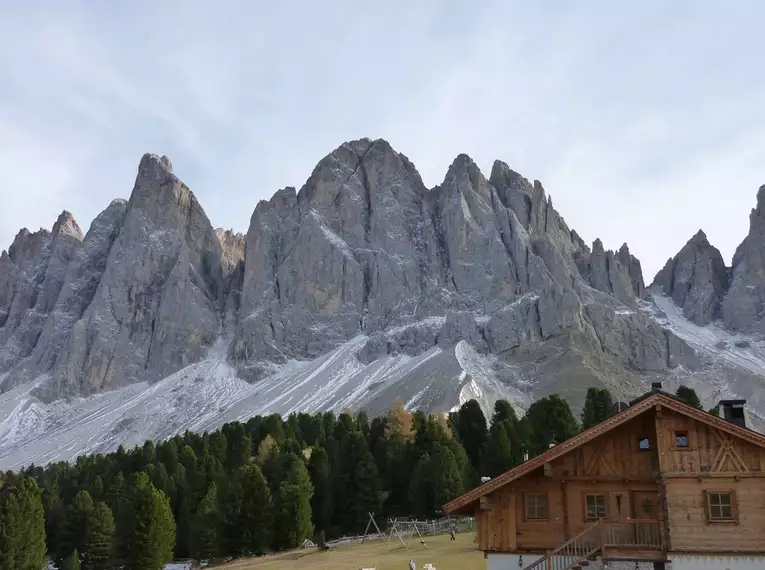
(361, 288)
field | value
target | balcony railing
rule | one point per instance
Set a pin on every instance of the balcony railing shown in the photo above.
(628, 538)
(633, 534)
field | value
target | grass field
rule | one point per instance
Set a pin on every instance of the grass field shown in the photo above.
(439, 551)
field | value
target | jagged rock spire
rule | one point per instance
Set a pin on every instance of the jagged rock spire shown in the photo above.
(696, 279)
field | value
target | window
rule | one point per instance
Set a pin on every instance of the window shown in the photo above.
(644, 444)
(681, 439)
(536, 507)
(595, 507)
(720, 506)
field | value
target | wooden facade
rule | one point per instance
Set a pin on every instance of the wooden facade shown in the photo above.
(659, 477)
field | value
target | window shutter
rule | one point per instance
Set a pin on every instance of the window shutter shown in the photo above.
(734, 506)
(707, 517)
(525, 507)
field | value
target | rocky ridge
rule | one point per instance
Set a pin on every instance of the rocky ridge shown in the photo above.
(363, 252)
(698, 281)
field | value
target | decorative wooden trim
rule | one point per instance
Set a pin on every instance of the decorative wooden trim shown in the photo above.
(566, 524)
(614, 421)
(716, 475)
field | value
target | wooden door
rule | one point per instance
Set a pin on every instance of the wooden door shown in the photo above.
(645, 505)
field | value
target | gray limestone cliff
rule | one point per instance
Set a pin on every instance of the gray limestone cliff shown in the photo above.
(363, 249)
(743, 308)
(696, 279)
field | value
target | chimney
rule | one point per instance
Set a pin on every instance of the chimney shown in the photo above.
(655, 386)
(733, 411)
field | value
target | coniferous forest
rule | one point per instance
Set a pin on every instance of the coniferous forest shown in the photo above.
(267, 484)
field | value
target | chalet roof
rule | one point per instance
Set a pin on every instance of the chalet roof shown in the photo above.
(638, 406)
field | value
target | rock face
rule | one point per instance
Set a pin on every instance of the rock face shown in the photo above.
(696, 279)
(363, 252)
(32, 274)
(365, 249)
(742, 308)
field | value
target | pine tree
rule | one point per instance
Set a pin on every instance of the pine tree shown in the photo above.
(598, 405)
(549, 421)
(150, 532)
(206, 526)
(689, 396)
(293, 516)
(254, 517)
(54, 518)
(22, 526)
(356, 490)
(498, 453)
(472, 430)
(75, 527)
(421, 487)
(99, 542)
(118, 500)
(447, 479)
(503, 410)
(71, 562)
(436, 481)
(321, 477)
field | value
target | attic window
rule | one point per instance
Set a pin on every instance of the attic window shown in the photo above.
(644, 444)
(681, 439)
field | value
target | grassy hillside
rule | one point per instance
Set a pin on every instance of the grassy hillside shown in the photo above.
(443, 554)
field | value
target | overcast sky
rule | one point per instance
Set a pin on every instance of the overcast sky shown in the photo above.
(643, 123)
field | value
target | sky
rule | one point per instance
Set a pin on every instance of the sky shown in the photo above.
(645, 121)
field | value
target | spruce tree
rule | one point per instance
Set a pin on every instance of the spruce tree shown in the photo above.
(598, 405)
(421, 487)
(689, 396)
(446, 477)
(293, 516)
(321, 477)
(549, 421)
(22, 526)
(205, 527)
(472, 430)
(150, 532)
(503, 410)
(254, 513)
(356, 491)
(75, 527)
(71, 562)
(100, 540)
(498, 453)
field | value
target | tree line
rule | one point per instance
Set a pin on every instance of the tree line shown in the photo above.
(268, 484)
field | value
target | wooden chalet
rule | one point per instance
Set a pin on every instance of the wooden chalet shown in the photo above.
(660, 482)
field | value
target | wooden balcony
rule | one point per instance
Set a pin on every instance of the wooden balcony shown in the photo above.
(609, 539)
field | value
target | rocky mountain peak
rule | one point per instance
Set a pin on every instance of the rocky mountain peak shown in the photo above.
(696, 279)
(700, 237)
(29, 249)
(742, 309)
(761, 196)
(66, 224)
(232, 248)
(154, 163)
